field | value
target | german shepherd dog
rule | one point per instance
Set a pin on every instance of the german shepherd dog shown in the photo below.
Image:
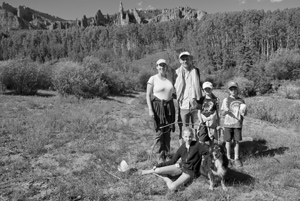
(214, 165)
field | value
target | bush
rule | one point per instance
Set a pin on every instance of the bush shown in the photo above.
(22, 76)
(74, 79)
(289, 90)
(274, 110)
(246, 87)
(113, 77)
(143, 78)
(46, 76)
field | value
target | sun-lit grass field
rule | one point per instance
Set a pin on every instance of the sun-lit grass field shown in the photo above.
(55, 148)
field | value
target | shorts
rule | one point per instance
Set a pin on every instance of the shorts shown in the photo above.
(232, 134)
(203, 133)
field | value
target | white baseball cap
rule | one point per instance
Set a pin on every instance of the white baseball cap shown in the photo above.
(184, 53)
(160, 61)
(207, 85)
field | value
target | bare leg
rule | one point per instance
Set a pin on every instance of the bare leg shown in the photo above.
(236, 150)
(211, 183)
(171, 170)
(228, 149)
(180, 181)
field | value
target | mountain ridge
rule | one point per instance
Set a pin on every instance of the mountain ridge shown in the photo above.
(23, 17)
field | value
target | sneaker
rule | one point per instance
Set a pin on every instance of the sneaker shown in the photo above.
(238, 163)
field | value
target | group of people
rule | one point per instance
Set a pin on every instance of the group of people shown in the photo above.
(198, 109)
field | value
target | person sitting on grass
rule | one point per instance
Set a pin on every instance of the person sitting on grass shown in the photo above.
(191, 153)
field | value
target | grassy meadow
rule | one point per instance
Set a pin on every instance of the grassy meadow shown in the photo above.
(58, 148)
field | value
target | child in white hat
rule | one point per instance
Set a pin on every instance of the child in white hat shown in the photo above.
(209, 115)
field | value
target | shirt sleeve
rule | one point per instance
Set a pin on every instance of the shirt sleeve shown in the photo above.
(151, 80)
(203, 149)
(172, 161)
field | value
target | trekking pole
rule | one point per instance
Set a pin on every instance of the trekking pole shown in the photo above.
(179, 122)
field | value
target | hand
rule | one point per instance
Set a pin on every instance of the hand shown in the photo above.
(194, 104)
(177, 165)
(151, 113)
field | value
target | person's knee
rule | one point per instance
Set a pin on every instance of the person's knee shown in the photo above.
(158, 171)
(172, 186)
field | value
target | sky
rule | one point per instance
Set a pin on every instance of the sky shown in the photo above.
(72, 9)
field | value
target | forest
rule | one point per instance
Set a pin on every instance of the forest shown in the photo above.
(259, 47)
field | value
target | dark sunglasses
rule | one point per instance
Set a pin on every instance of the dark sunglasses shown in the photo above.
(184, 58)
(162, 64)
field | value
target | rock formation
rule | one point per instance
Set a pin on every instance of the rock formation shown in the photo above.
(84, 22)
(178, 13)
(27, 18)
(99, 18)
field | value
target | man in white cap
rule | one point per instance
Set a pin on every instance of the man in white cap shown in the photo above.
(188, 91)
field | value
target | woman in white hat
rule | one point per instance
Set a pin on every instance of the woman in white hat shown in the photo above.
(161, 108)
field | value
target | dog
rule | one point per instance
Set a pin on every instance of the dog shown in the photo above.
(214, 165)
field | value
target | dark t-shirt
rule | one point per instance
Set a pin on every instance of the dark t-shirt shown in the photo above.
(208, 105)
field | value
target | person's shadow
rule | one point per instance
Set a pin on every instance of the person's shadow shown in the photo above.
(258, 148)
(250, 149)
(235, 177)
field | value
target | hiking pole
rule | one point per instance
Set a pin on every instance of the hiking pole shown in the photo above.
(179, 122)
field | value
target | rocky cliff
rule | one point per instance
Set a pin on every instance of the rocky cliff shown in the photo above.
(23, 17)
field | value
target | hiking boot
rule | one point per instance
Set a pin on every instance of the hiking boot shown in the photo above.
(238, 163)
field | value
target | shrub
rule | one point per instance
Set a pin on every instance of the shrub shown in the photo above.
(274, 110)
(289, 90)
(22, 76)
(46, 76)
(113, 77)
(74, 79)
(143, 78)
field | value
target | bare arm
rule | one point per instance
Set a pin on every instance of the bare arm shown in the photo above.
(148, 98)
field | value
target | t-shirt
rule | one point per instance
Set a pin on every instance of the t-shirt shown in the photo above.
(234, 119)
(209, 111)
(208, 106)
(162, 87)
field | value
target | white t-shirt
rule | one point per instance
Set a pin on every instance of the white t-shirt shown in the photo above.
(162, 87)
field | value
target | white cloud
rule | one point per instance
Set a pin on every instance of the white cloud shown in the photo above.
(140, 3)
(150, 7)
(242, 1)
(275, 1)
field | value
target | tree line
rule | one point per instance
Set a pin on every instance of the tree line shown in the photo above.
(240, 43)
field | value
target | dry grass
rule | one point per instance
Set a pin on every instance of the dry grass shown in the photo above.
(54, 148)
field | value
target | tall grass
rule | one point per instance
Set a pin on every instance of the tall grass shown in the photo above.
(276, 110)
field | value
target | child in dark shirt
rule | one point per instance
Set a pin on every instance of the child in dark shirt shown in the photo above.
(209, 114)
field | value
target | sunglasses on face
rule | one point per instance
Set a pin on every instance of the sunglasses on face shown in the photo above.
(232, 88)
(184, 58)
(162, 65)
